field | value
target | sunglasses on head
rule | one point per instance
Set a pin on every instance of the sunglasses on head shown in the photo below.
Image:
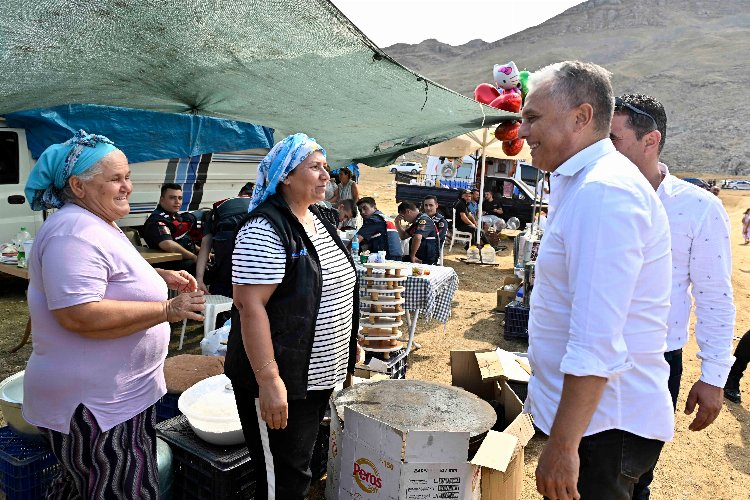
(620, 105)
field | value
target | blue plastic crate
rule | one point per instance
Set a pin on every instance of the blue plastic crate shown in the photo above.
(166, 407)
(26, 467)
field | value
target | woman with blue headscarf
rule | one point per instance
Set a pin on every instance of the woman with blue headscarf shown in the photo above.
(100, 320)
(295, 319)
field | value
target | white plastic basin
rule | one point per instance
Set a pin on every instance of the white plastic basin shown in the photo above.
(211, 411)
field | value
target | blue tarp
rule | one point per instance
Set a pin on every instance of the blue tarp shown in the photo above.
(141, 135)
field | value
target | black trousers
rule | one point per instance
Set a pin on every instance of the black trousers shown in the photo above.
(642, 490)
(611, 463)
(281, 458)
(742, 355)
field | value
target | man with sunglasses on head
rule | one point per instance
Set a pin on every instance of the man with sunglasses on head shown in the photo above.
(701, 261)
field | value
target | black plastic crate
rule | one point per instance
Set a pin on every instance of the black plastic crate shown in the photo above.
(203, 471)
(516, 321)
(27, 467)
(166, 407)
(395, 371)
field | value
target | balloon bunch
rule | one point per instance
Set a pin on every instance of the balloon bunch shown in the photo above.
(507, 94)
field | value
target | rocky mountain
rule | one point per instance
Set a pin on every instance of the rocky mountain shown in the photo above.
(693, 55)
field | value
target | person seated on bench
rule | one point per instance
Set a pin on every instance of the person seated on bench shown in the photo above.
(377, 232)
(169, 230)
(424, 246)
(491, 212)
(465, 221)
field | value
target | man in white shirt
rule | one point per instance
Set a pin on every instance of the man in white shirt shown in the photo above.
(598, 322)
(701, 260)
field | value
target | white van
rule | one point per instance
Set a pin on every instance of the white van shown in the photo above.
(204, 179)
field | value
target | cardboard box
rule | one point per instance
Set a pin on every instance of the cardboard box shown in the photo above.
(487, 374)
(379, 461)
(505, 297)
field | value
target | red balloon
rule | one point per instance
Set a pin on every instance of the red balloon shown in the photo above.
(512, 148)
(507, 131)
(486, 93)
(510, 101)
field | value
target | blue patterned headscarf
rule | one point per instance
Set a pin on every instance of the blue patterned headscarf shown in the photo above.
(282, 159)
(60, 162)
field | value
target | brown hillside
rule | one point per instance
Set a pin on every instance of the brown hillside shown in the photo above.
(692, 55)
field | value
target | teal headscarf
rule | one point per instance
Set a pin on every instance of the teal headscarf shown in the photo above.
(61, 161)
(282, 159)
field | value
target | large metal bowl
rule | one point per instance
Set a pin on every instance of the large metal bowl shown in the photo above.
(11, 403)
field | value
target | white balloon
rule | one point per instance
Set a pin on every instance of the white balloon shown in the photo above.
(513, 223)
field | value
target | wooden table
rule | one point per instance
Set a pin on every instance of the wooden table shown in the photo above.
(155, 256)
(13, 270)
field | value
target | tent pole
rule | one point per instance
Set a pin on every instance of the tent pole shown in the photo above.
(481, 190)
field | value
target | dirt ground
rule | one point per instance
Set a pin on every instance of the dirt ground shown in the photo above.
(711, 464)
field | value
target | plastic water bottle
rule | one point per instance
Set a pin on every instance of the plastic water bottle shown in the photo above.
(355, 249)
(488, 254)
(472, 254)
(22, 236)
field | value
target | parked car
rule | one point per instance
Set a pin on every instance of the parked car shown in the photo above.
(412, 167)
(698, 182)
(741, 184)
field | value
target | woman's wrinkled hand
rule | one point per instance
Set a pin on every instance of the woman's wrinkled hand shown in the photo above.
(181, 281)
(274, 409)
(187, 305)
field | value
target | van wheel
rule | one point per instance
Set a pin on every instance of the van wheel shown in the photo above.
(394, 171)
(414, 171)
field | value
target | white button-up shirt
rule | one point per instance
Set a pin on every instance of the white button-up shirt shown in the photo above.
(701, 256)
(600, 300)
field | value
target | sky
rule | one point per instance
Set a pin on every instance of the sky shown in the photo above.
(453, 22)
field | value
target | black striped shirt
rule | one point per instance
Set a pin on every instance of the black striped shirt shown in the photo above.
(259, 258)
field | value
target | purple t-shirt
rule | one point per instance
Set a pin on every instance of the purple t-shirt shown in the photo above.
(78, 258)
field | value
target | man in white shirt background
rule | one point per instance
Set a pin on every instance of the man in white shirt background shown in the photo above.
(701, 262)
(597, 328)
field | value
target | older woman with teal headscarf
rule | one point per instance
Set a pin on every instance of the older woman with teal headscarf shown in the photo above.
(295, 320)
(100, 321)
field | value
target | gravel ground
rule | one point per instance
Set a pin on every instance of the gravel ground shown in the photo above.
(713, 463)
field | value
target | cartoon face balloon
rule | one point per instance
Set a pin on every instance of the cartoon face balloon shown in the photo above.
(506, 76)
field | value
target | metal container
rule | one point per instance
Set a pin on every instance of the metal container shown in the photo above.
(417, 405)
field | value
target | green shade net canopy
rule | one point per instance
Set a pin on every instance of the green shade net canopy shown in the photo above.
(295, 66)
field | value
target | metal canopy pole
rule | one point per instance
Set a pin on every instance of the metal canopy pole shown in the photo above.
(481, 189)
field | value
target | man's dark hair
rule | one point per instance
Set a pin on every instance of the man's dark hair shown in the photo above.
(641, 124)
(367, 199)
(170, 185)
(406, 205)
(349, 206)
(475, 190)
(247, 189)
(431, 197)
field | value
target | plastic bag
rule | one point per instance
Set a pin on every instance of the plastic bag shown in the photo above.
(215, 343)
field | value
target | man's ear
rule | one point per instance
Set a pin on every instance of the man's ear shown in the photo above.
(652, 140)
(584, 116)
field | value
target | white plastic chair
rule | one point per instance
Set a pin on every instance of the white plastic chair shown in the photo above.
(215, 304)
(456, 235)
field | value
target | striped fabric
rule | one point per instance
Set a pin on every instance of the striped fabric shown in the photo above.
(118, 463)
(259, 258)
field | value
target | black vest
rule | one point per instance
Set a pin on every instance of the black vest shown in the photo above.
(293, 307)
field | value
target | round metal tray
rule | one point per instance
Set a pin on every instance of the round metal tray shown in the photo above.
(417, 405)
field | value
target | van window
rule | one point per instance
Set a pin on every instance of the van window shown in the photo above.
(9, 158)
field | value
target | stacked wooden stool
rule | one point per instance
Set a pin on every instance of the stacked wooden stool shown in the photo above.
(379, 327)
